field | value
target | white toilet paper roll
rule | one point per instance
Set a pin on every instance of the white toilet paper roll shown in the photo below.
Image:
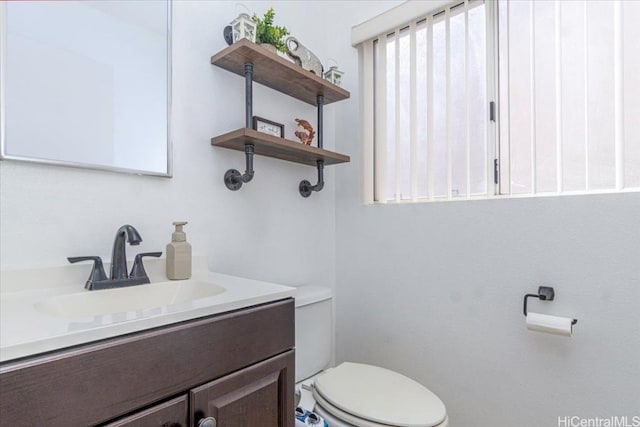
(549, 324)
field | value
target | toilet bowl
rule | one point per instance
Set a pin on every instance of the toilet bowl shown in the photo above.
(354, 394)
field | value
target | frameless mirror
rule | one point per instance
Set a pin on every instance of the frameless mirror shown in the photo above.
(87, 84)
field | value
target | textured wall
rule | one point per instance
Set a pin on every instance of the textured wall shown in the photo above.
(438, 290)
(435, 291)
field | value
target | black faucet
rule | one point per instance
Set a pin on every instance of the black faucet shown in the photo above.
(119, 276)
(119, 254)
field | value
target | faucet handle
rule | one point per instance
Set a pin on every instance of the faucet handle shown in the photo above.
(138, 271)
(97, 272)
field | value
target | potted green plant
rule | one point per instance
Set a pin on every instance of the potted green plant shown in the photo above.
(269, 34)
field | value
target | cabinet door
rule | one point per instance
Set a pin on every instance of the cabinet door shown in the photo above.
(260, 395)
(168, 414)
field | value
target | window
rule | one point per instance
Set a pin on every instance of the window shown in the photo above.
(481, 99)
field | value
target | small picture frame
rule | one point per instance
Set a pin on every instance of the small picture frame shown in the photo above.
(268, 127)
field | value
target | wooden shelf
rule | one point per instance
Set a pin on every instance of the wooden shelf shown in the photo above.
(279, 148)
(277, 73)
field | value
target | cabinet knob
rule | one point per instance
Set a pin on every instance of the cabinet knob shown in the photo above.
(207, 422)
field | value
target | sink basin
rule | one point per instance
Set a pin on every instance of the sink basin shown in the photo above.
(164, 295)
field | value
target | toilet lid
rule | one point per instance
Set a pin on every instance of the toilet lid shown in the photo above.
(380, 395)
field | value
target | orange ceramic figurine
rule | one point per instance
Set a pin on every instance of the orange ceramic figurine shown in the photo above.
(305, 137)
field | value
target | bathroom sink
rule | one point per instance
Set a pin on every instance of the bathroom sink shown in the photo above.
(47, 309)
(164, 295)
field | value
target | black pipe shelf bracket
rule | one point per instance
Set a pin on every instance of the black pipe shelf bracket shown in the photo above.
(305, 187)
(233, 179)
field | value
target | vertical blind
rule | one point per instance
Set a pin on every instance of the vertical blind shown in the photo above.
(426, 96)
(564, 73)
(570, 96)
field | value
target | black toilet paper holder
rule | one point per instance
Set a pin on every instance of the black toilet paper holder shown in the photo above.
(545, 293)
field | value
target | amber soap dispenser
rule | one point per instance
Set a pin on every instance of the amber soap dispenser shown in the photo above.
(179, 254)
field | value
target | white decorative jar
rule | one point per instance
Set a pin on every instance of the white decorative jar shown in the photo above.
(334, 75)
(243, 27)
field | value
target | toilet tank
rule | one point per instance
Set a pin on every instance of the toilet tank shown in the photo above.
(314, 331)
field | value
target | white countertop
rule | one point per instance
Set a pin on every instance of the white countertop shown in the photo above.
(25, 330)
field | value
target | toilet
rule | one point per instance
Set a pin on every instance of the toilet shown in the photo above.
(354, 394)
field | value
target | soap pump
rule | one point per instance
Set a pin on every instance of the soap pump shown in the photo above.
(179, 254)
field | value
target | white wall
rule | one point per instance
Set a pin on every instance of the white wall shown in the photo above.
(266, 230)
(435, 291)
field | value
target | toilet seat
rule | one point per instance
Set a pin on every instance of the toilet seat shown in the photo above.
(370, 396)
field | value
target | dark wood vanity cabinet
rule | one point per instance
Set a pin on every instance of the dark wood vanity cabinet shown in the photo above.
(174, 413)
(236, 367)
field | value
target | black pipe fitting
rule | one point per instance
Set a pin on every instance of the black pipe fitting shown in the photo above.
(305, 186)
(233, 179)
